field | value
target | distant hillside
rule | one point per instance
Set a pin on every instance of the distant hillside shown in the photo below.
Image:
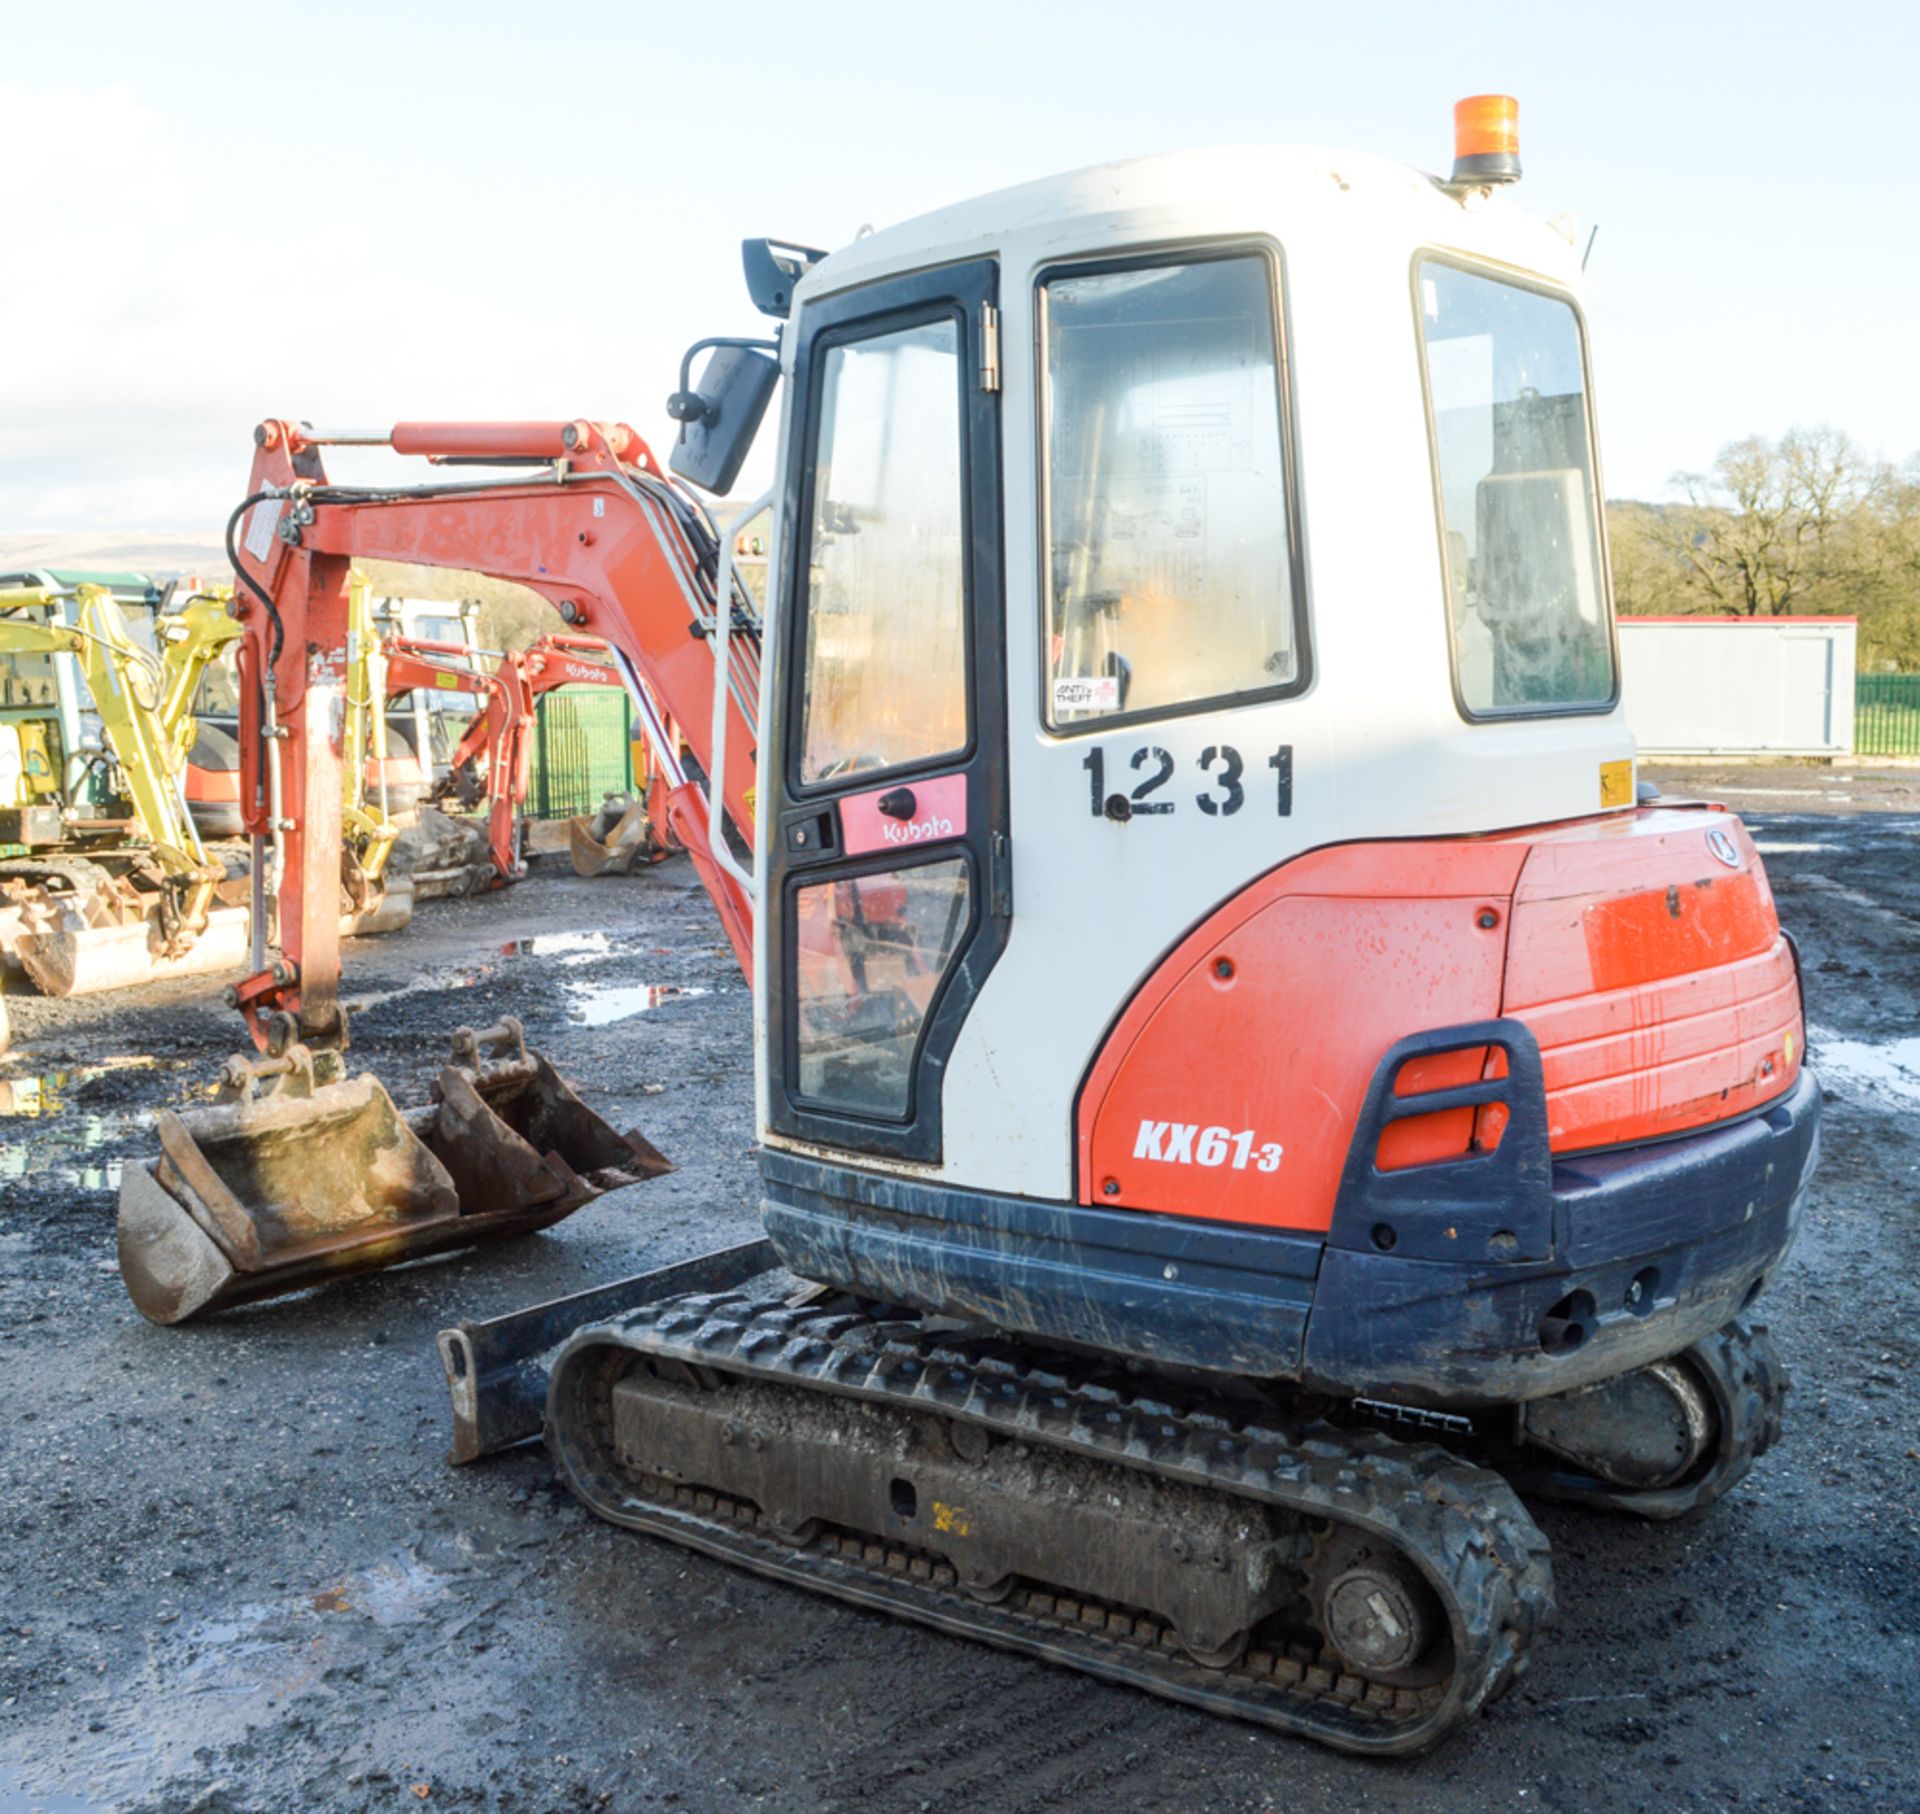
(166, 554)
(510, 616)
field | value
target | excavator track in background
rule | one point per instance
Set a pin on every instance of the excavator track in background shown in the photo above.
(1219, 1550)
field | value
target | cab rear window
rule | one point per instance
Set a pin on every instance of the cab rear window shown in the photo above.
(1512, 440)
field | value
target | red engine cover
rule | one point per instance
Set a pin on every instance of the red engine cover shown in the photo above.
(1649, 966)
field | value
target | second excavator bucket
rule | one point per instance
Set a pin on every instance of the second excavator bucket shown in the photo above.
(612, 841)
(74, 928)
(319, 1176)
(509, 1128)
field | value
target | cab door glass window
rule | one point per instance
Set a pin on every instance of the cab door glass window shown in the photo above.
(871, 952)
(885, 657)
(1526, 596)
(1170, 575)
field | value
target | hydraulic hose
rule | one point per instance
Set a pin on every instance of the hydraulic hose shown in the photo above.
(253, 585)
(268, 756)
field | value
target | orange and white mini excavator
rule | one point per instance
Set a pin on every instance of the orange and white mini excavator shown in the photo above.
(1248, 1081)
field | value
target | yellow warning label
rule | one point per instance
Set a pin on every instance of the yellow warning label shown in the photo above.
(951, 1518)
(447, 680)
(752, 794)
(1616, 784)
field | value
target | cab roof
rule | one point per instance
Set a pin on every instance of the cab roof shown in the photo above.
(1293, 193)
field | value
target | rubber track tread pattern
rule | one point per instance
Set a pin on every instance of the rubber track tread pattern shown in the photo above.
(1478, 1547)
(1748, 1384)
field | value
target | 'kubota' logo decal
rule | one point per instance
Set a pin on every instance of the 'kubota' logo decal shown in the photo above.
(1724, 848)
(1183, 1143)
(916, 831)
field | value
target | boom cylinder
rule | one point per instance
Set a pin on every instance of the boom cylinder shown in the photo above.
(482, 440)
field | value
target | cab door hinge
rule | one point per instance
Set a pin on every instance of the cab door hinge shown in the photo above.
(1000, 876)
(989, 347)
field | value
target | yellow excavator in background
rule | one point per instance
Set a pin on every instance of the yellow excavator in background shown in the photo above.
(96, 901)
(197, 636)
(195, 628)
(377, 900)
(95, 898)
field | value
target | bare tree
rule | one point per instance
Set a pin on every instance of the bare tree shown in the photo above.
(1764, 530)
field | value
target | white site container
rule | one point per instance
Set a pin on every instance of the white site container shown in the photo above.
(1739, 686)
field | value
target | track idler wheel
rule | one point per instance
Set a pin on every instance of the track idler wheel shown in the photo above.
(1665, 1439)
(1377, 1610)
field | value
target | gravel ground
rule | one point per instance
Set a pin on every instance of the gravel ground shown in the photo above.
(239, 1574)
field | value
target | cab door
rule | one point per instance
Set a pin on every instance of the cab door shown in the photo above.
(889, 891)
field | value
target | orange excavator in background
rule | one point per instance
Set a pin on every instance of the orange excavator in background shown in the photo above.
(1247, 1083)
(491, 761)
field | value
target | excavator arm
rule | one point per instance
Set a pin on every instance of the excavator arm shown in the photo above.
(498, 730)
(501, 733)
(595, 527)
(192, 638)
(302, 1172)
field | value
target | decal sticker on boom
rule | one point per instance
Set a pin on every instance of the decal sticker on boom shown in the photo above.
(1187, 1143)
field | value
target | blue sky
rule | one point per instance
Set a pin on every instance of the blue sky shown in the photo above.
(357, 213)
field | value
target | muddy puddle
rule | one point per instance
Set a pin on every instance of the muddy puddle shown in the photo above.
(590, 1003)
(219, 1681)
(1884, 1073)
(16, 1798)
(48, 1131)
(566, 947)
(601, 1004)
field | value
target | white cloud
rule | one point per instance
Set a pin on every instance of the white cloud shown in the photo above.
(167, 305)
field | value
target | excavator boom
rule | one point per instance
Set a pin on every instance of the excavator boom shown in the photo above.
(597, 529)
(230, 1211)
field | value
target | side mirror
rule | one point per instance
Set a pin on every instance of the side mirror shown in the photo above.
(719, 420)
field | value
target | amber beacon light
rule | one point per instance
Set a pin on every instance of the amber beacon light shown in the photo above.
(1486, 139)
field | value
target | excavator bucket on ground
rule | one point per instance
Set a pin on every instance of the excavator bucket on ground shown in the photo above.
(376, 913)
(442, 854)
(75, 928)
(613, 841)
(320, 1176)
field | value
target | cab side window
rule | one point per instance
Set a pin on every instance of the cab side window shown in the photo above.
(1171, 578)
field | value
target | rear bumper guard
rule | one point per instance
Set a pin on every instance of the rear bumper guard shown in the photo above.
(1510, 1274)
(1513, 1274)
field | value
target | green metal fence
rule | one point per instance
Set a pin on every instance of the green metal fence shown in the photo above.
(1886, 715)
(582, 751)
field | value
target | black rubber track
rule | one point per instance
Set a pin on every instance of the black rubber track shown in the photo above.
(1461, 1524)
(1747, 1383)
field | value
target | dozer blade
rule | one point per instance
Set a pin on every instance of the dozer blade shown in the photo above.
(497, 1370)
(611, 841)
(322, 1177)
(64, 955)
